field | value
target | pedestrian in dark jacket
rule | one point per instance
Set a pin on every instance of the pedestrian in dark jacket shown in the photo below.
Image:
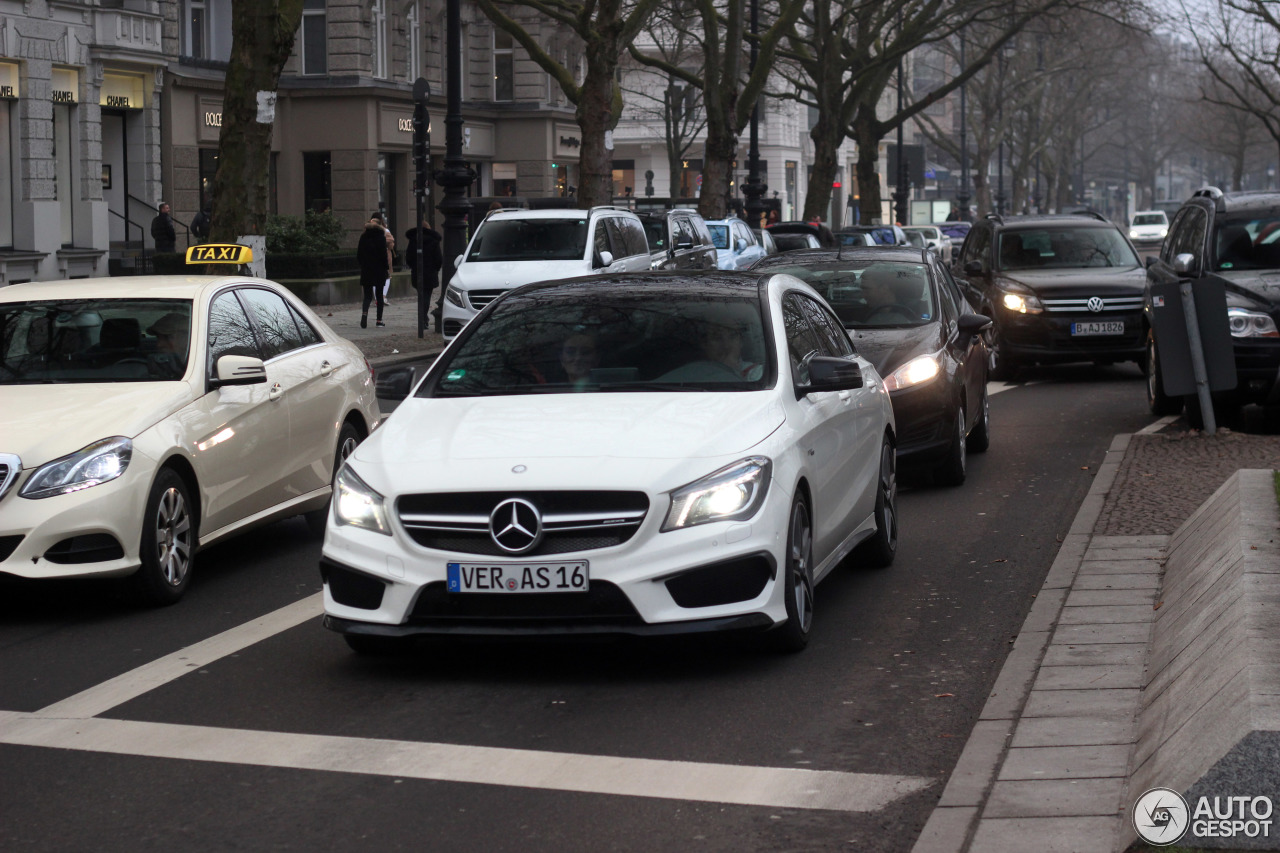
(432, 259)
(200, 224)
(162, 230)
(371, 253)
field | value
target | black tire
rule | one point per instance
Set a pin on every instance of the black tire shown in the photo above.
(797, 576)
(168, 541)
(1158, 402)
(1001, 366)
(980, 436)
(878, 551)
(348, 440)
(374, 646)
(953, 471)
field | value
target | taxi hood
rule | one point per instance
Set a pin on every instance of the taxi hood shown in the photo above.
(44, 422)
(644, 426)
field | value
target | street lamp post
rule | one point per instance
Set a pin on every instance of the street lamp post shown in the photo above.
(754, 189)
(457, 174)
(900, 194)
(962, 196)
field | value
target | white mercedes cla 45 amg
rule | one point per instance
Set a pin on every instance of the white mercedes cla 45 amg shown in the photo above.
(627, 454)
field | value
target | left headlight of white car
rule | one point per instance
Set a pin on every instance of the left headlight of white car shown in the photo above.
(358, 505)
(736, 491)
(89, 466)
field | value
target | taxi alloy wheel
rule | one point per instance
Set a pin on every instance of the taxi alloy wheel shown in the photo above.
(882, 547)
(168, 541)
(793, 635)
(348, 441)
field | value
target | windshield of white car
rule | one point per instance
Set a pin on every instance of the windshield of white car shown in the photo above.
(1064, 248)
(870, 294)
(1248, 243)
(94, 340)
(529, 240)
(569, 342)
(1149, 219)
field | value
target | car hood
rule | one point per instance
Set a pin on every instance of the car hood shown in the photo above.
(512, 274)
(889, 349)
(1092, 281)
(473, 440)
(1261, 286)
(44, 422)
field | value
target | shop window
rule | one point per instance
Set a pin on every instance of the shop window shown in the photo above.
(62, 156)
(624, 178)
(317, 180)
(379, 23)
(387, 189)
(504, 81)
(208, 168)
(314, 48)
(690, 178)
(504, 179)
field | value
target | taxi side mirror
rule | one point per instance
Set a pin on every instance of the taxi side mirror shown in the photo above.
(238, 370)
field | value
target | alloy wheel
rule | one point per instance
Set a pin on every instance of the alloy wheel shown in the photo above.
(173, 537)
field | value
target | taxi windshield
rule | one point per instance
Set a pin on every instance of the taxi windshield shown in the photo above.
(94, 340)
(546, 342)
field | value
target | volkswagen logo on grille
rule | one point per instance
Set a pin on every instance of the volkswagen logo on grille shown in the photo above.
(516, 526)
(1095, 304)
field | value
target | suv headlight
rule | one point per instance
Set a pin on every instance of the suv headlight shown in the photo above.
(1251, 324)
(98, 463)
(356, 504)
(454, 295)
(1021, 303)
(917, 371)
(734, 492)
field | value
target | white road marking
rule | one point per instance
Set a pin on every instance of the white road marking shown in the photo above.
(134, 683)
(1158, 425)
(776, 787)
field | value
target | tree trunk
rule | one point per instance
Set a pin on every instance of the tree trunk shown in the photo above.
(262, 34)
(720, 150)
(596, 115)
(867, 138)
(826, 143)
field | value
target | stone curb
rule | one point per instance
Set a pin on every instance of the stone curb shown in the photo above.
(959, 815)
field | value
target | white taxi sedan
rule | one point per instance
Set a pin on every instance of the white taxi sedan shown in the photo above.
(635, 453)
(142, 419)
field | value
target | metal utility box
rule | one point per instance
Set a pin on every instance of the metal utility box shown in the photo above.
(1173, 347)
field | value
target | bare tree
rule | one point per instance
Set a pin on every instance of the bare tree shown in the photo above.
(262, 33)
(606, 28)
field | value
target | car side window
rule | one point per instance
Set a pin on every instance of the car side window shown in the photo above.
(700, 229)
(309, 334)
(230, 332)
(745, 233)
(947, 298)
(1191, 238)
(830, 330)
(802, 340)
(274, 322)
(978, 247)
(1175, 234)
(636, 239)
(601, 239)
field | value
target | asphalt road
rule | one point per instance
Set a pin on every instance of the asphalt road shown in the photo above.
(899, 666)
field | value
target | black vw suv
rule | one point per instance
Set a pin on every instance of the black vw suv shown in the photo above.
(1059, 288)
(1234, 238)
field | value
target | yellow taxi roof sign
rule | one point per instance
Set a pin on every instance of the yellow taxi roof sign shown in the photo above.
(220, 253)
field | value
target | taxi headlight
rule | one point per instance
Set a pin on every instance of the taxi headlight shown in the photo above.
(917, 371)
(1021, 303)
(98, 463)
(734, 492)
(454, 295)
(356, 504)
(1251, 324)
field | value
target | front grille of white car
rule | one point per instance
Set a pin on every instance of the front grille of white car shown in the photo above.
(571, 520)
(481, 298)
(1080, 304)
(10, 466)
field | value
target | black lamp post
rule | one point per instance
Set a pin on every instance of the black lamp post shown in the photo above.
(754, 189)
(900, 194)
(456, 175)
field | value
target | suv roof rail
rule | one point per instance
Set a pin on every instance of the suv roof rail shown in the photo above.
(995, 217)
(1208, 192)
(608, 207)
(1093, 214)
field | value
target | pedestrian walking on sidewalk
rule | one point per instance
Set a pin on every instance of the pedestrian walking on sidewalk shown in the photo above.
(373, 257)
(162, 230)
(432, 258)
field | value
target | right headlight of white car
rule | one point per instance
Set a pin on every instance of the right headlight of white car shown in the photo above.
(734, 492)
(89, 466)
(358, 505)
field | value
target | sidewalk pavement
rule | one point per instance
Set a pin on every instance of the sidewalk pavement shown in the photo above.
(388, 345)
(1047, 764)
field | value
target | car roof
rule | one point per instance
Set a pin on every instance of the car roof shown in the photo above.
(122, 287)
(554, 213)
(742, 282)
(1249, 200)
(1042, 219)
(905, 254)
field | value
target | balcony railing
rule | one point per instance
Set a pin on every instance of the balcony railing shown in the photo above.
(132, 31)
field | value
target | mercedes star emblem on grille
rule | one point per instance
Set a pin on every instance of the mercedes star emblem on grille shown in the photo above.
(516, 525)
(1095, 304)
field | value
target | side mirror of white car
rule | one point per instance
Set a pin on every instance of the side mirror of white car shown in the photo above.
(606, 258)
(457, 262)
(238, 370)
